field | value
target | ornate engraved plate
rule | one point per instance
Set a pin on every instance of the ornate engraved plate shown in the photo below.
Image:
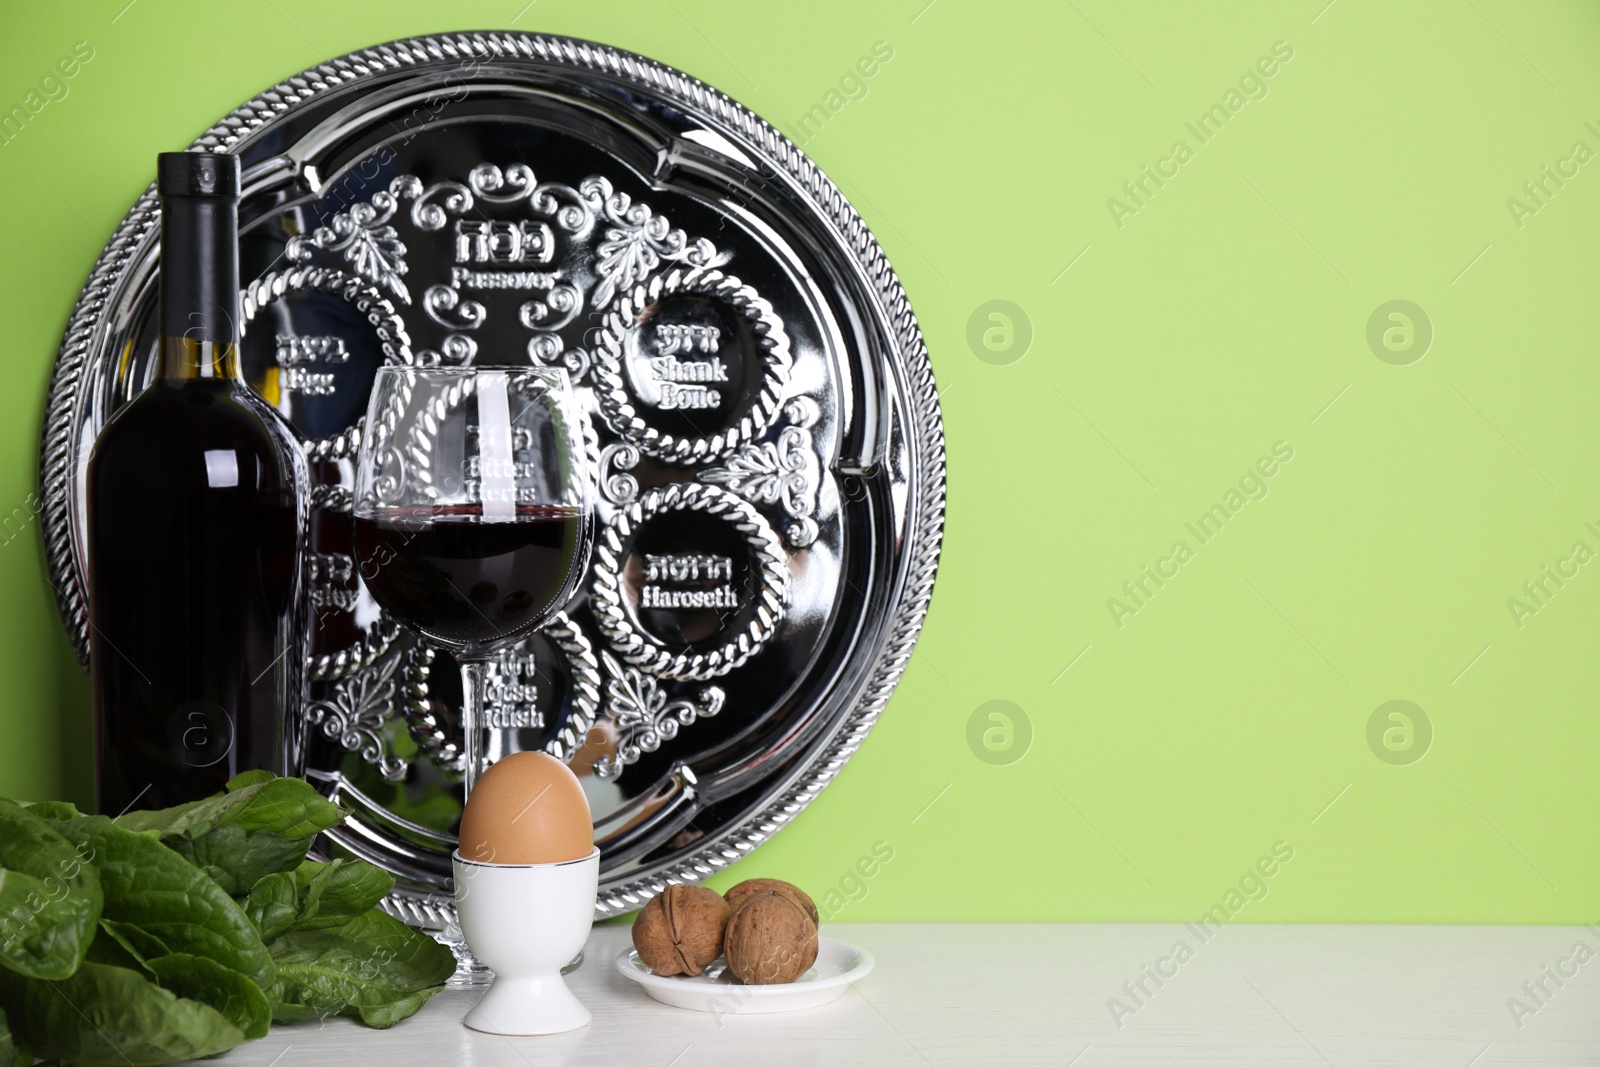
(760, 405)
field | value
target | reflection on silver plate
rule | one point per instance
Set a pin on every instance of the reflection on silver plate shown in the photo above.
(761, 405)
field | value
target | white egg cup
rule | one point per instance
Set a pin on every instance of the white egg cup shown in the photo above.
(526, 922)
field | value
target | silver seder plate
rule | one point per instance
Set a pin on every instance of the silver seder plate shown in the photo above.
(771, 457)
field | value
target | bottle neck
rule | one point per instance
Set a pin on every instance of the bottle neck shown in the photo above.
(187, 359)
(199, 287)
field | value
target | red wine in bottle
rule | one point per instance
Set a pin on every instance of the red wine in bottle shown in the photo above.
(196, 504)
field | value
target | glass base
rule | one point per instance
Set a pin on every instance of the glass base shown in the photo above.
(471, 973)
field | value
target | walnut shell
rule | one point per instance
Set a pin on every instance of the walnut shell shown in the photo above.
(770, 939)
(738, 893)
(681, 930)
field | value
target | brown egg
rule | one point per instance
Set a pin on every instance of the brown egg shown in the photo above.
(527, 808)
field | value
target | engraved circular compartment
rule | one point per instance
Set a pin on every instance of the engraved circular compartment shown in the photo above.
(543, 693)
(304, 365)
(692, 364)
(411, 455)
(689, 582)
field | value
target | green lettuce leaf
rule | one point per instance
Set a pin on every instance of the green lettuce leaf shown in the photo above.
(107, 1016)
(246, 778)
(383, 1016)
(11, 1055)
(229, 993)
(52, 809)
(337, 892)
(135, 950)
(140, 943)
(113, 949)
(316, 895)
(273, 905)
(157, 905)
(373, 967)
(378, 1016)
(262, 825)
(50, 897)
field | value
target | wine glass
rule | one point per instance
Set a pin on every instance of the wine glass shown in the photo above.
(473, 518)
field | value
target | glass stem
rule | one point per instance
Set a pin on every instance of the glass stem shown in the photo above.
(473, 673)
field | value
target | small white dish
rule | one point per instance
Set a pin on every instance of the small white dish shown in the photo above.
(718, 992)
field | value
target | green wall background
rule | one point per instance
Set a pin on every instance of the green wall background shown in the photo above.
(1173, 343)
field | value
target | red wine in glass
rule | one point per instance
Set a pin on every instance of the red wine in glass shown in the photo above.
(464, 583)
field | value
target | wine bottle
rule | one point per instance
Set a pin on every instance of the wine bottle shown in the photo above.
(197, 509)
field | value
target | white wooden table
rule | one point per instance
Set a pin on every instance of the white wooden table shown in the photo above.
(994, 995)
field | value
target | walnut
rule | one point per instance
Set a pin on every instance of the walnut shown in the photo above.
(680, 931)
(738, 893)
(770, 939)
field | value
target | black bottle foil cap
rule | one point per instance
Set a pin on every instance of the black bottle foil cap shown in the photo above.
(197, 174)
